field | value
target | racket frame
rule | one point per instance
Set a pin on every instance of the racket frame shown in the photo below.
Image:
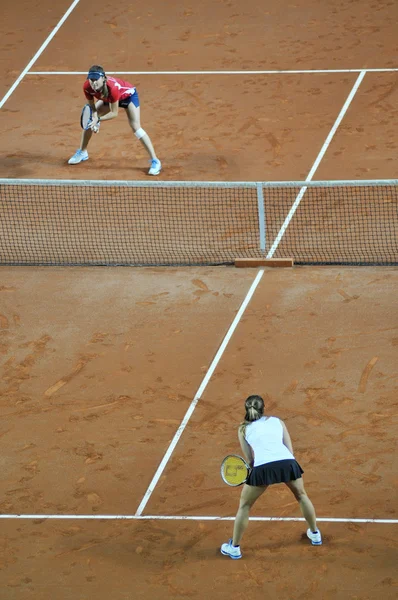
(244, 463)
(90, 120)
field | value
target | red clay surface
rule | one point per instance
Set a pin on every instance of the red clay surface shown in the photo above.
(100, 365)
(272, 129)
(141, 374)
(156, 559)
(323, 344)
(221, 127)
(202, 127)
(204, 36)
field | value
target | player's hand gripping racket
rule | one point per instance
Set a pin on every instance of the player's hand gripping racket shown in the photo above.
(234, 470)
(86, 119)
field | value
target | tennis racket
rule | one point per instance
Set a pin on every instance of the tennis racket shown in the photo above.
(234, 470)
(86, 119)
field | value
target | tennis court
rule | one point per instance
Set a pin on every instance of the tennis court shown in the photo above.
(122, 388)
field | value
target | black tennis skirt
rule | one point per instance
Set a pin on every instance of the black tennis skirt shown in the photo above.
(279, 471)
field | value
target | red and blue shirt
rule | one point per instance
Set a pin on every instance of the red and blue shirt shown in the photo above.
(118, 90)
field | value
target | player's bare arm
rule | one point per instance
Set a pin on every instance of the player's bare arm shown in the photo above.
(113, 112)
(246, 448)
(286, 437)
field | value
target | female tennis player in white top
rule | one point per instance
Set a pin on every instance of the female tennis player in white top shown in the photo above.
(267, 447)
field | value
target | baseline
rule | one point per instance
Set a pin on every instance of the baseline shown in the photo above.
(193, 518)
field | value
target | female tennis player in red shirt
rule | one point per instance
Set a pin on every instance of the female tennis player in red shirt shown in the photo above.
(267, 447)
(111, 93)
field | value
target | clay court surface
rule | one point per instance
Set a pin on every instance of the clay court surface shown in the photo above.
(100, 365)
(227, 127)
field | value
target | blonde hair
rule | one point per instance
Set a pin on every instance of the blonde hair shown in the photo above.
(254, 407)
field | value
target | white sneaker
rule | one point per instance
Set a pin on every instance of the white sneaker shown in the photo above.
(156, 167)
(78, 157)
(232, 551)
(316, 538)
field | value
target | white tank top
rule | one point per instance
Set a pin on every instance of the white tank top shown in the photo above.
(265, 436)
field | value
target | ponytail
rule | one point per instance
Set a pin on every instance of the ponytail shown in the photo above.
(254, 406)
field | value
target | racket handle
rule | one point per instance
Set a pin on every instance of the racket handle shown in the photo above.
(96, 127)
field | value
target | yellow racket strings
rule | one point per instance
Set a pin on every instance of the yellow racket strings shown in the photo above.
(234, 470)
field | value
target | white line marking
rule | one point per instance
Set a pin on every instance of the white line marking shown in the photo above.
(282, 72)
(193, 518)
(198, 394)
(316, 164)
(36, 56)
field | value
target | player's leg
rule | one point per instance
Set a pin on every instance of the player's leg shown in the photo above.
(248, 497)
(134, 118)
(307, 508)
(81, 154)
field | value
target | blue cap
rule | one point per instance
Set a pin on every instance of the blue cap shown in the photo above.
(94, 75)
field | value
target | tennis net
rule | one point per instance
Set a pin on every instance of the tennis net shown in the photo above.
(57, 222)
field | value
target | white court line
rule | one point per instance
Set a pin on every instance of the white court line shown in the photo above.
(192, 518)
(198, 394)
(316, 164)
(38, 53)
(275, 72)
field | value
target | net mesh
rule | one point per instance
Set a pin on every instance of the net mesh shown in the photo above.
(135, 223)
(355, 225)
